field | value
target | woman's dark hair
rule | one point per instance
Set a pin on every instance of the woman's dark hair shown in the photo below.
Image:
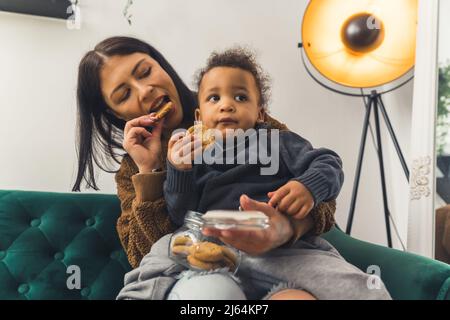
(100, 133)
(241, 58)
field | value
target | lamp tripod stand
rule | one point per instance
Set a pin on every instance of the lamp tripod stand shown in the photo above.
(374, 101)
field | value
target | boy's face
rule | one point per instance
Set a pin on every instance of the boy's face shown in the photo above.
(228, 99)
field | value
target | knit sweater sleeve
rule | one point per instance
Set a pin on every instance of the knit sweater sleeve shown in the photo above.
(322, 214)
(144, 217)
(319, 170)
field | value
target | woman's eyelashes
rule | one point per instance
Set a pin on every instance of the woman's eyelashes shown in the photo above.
(125, 96)
(146, 73)
(142, 75)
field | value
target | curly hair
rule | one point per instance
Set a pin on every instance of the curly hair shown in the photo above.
(241, 58)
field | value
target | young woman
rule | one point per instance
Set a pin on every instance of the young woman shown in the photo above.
(121, 83)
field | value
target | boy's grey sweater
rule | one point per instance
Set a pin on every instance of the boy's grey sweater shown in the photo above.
(219, 186)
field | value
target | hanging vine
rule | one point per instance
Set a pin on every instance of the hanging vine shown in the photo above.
(126, 11)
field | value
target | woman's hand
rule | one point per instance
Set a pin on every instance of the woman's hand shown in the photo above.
(182, 149)
(142, 146)
(256, 242)
(292, 198)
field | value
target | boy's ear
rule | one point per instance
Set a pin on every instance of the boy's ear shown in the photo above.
(261, 114)
(197, 114)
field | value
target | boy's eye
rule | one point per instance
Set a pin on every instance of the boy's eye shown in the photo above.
(213, 98)
(241, 98)
(145, 74)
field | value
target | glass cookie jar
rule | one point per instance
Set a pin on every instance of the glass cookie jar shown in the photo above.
(189, 247)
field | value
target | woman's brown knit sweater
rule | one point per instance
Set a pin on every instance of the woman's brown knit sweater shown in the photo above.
(144, 218)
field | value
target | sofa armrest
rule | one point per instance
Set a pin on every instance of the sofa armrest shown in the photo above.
(43, 233)
(406, 275)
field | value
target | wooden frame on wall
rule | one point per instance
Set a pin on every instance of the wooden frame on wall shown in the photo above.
(421, 220)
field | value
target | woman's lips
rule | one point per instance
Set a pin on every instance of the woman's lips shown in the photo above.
(158, 103)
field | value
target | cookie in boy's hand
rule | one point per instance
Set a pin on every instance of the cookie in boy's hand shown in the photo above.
(206, 135)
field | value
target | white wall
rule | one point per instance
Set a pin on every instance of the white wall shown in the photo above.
(38, 66)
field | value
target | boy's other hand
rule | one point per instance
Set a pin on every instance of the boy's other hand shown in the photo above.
(293, 198)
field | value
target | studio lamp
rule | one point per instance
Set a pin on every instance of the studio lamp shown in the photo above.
(362, 48)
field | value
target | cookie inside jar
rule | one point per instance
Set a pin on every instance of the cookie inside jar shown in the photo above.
(189, 247)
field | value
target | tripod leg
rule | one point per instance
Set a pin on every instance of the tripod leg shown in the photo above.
(383, 179)
(393, 136)
(358, 166)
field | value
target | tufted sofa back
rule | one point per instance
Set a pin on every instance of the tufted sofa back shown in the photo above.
(49, 238)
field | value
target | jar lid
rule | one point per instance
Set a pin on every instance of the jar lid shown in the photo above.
(229, 219)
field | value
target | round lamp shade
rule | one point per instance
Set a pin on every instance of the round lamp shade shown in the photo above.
(360, 43)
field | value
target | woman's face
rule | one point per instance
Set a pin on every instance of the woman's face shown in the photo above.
(134, 85)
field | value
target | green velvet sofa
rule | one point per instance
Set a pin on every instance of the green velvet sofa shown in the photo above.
(43, 234)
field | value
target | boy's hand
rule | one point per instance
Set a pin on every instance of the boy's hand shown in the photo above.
(293, 198)
(182, 149)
